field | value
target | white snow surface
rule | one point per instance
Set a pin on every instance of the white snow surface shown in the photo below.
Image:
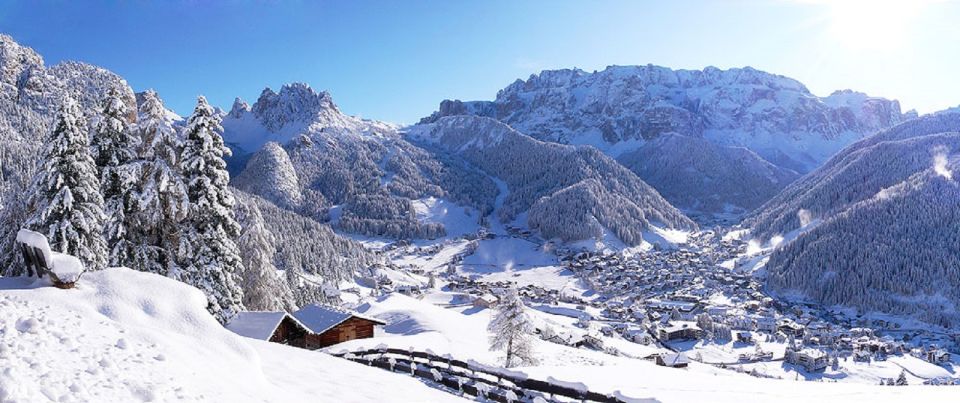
(127, 336)
(461, 332)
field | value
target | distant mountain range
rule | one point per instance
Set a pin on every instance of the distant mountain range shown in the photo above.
(625, 109)
(365, 176)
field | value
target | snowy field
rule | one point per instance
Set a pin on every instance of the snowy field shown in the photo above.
(125, 336)
(460, 331)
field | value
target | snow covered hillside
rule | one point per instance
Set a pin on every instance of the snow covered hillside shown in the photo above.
(126, 336)
(697, 175)
(366, 178)
(875, 227)
(360, 175)
(621, 109)
(570, 193)
(421, 325)
(857, 173)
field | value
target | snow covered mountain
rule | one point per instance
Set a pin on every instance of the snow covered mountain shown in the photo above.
(855, 174)
(366, 177)
(30, 92)
(695, 174)
(875, 227)
(569, 192)
(621, 109)
(361, 175)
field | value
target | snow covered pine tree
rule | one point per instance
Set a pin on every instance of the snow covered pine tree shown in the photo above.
(208, 256)
(114, 150)
(511, 328)
(161, 192)
(66, 201)
(263, 290)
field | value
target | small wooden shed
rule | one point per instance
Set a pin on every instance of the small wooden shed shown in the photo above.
(276, 327)
(331, 325)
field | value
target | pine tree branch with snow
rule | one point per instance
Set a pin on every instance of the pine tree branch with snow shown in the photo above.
(66, 200)
(511, 330)
(207, 254)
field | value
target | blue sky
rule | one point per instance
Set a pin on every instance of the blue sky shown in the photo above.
(395, 60)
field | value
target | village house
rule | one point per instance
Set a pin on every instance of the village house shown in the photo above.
(330, 325)
(672, 360)
(932, 355)
(790, 328)
(275, 327)
(485, 301)
(811, 359)
(679, 330)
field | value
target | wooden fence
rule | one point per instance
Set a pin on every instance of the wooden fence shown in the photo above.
(473, 378)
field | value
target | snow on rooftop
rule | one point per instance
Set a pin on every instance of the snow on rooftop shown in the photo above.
(672, 359)
(320, 318)
(256, 325)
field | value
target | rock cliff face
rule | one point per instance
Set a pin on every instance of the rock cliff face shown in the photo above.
(772, 115)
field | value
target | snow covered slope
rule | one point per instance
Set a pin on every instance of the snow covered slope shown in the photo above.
(312, 159)
(366, 178)
(623, 110)
(875, 228)
(695, 174)
(567, 192)
(126, 336)
(461, 332)
(857, 173)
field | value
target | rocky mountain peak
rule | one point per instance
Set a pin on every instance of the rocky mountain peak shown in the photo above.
(622, 106)
(239, 108)
(295, 102)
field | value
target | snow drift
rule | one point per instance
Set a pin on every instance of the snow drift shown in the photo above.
(123, 335)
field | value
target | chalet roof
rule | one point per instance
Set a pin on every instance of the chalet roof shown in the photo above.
(676, 326)
(257, 325)
(320, 318)
(674, 359)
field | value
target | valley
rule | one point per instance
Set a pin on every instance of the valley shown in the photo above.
(634, 233)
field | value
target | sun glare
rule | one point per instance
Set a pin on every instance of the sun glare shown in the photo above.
(873, 24)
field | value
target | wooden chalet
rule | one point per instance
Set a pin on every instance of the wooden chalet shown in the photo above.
(672, 360)
(276, 327)
(330, 325)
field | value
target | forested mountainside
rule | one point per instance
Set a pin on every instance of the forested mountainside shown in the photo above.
(622, 108)
(365, 176)
(693, 173)
(569, 192)
(312, 259)
(857, 173)
(877, 225)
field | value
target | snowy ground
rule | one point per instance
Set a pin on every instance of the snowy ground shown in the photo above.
(460, 331)
(125, 336)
